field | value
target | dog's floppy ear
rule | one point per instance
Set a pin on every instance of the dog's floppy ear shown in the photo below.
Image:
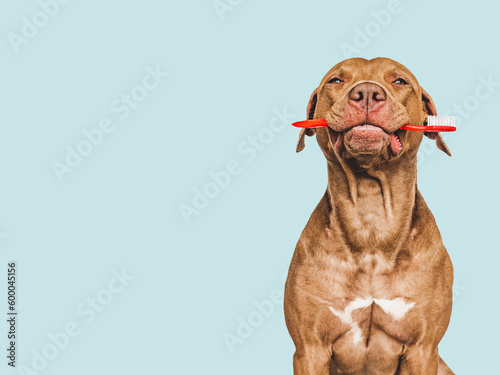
(430, 108)
(311, 107)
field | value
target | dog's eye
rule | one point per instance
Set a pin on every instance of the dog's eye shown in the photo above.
(335, 80)
(400, 81)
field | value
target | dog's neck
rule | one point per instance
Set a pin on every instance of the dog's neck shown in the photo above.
(375, 203)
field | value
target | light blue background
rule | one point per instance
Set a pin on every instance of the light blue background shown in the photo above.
(120, 208)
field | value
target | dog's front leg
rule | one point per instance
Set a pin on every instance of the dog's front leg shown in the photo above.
(422, 360)
(312, 360)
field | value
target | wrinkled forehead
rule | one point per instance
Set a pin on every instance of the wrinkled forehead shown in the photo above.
(380, 68)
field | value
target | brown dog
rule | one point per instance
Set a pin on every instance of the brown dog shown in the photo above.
(369, 290)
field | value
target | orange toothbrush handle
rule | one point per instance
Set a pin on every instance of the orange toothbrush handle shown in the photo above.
(430, 128)
(320, 123)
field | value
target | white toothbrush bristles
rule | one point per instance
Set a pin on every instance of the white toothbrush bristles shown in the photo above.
(441, 121)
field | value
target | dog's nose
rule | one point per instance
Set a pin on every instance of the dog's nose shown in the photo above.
(367, 96)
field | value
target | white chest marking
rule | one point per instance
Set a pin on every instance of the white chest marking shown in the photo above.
(397, 308)
(346, 316)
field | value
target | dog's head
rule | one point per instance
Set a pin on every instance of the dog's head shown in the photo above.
(365, 103)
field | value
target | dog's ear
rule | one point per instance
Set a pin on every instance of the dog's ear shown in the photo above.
(430, 108)
(311, 108)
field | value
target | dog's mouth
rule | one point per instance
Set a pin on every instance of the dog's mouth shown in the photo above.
(367, 139)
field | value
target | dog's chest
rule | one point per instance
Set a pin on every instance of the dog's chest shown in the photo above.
(373, 330)
(369, 304)
(364, 316)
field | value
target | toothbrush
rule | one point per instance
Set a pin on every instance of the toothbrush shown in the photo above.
(434, 124)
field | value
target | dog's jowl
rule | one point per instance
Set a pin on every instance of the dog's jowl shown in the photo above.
(369, 290)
